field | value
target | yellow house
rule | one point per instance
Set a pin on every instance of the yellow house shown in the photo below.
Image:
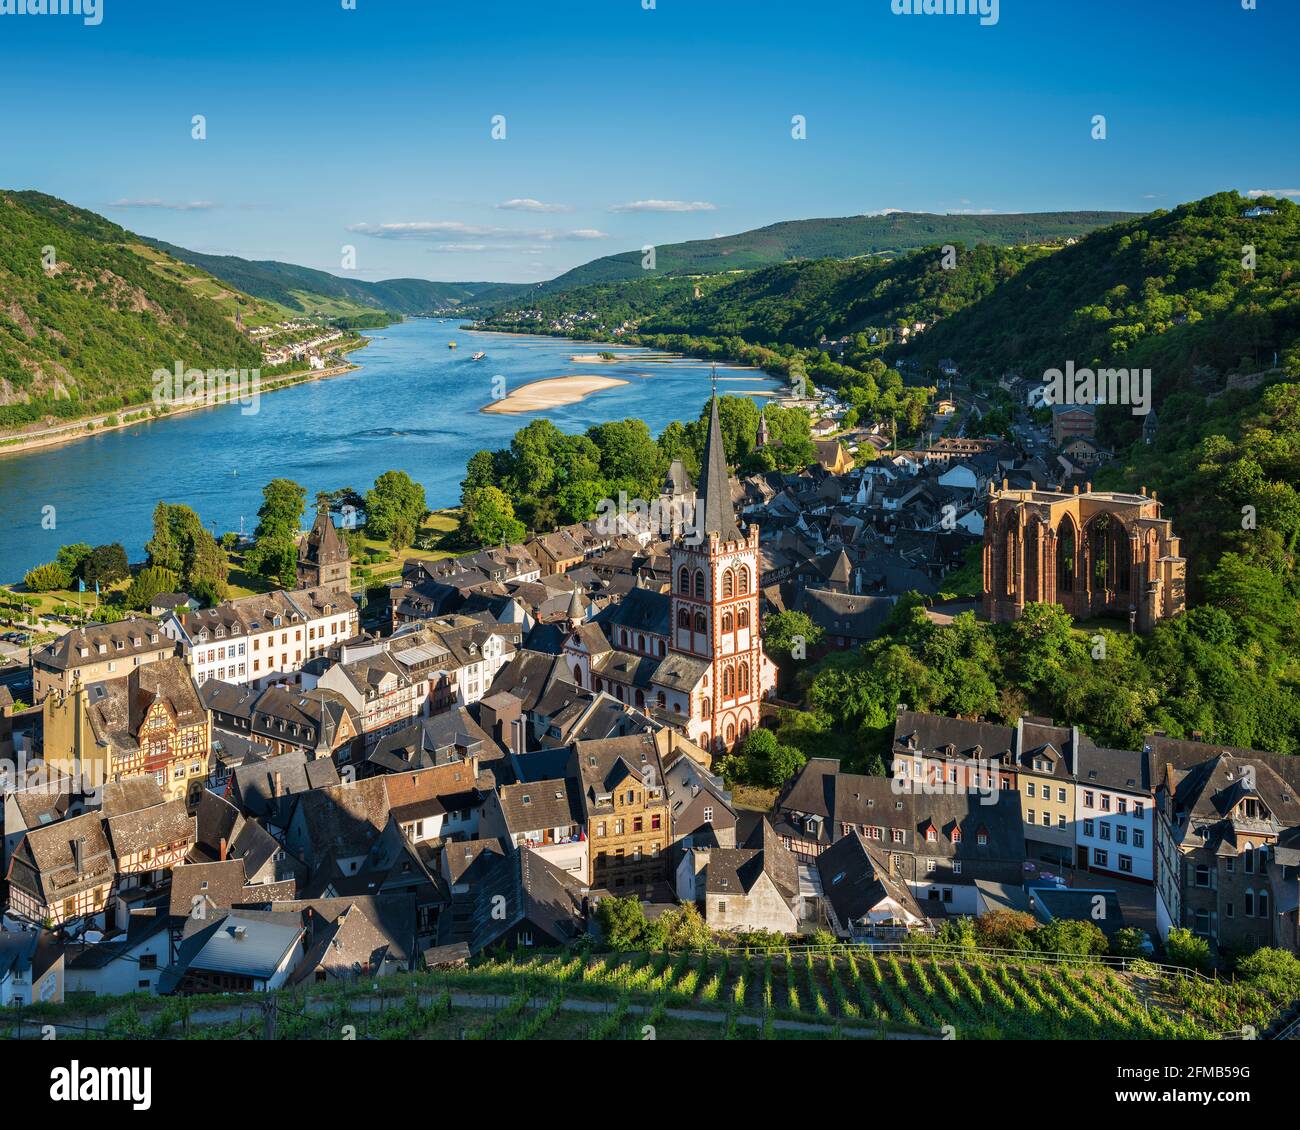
(150, 721)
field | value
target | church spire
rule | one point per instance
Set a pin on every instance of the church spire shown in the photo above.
(719, 516)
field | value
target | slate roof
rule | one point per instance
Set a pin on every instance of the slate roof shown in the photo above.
(855, 879)
(155, 827)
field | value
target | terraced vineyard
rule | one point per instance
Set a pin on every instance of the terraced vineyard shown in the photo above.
(841, 993)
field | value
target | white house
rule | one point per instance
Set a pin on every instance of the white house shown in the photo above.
(1114, 814)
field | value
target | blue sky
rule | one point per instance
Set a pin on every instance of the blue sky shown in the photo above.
(371, 127)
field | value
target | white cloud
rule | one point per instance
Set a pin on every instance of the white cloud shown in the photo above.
(883, 212)
(173, 206)
(527, 204)
(665, 206)
(439, 230)
(1255, 193)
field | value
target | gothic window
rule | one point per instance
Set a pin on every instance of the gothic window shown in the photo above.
(742, 579)
(728, 584)
(701, 625)
(684, 618)
(684, 581)
(699, 584)
(726, 622)
(742, 617)
(706, 708)
(728, 684)
(744, 678)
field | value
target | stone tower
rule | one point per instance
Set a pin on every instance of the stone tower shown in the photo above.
(323, 560)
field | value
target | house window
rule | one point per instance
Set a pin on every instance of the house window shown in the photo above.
(1099, 857)
(1139, 837)
(1060, 795)
(148, 961)
(1032, 817)
(1126, 863)
(708, 814)
(931, 865)
(956, 866)
(1088, 800)
(1202, 875)
(1029, 789)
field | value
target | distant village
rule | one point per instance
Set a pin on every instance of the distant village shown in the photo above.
(261, 794)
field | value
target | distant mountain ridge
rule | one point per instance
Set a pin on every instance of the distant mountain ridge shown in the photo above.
(294, 286)
(847, 237)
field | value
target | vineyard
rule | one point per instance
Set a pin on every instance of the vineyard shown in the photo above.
(839, 993)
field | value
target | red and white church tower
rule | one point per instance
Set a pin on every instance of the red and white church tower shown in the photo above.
(715, 622)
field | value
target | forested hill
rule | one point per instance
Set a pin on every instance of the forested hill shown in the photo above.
(796, 303)
(306, 289)
(86, 335)
(1167, 291)
(838, 238)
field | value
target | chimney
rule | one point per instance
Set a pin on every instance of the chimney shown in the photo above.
(225, 847)
(1088, 489)
(78, 846)
(277, 787)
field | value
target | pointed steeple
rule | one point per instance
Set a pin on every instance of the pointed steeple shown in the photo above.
(719, 517)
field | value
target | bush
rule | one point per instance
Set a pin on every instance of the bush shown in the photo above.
(1128, 942)
(1184, 948)
(1006, 930)
(46, 578)
(1079, 938)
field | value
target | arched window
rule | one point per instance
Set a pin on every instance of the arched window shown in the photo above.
(577, 675)
(728, 585)
(728, 684)
(744, 678)
(661, 700)
(699, 583)
(701, 625)
(744, 729)
(622, 636)
(640, 643)
(706, 708)
(726, 622)
(684, 581)
(684, 618)
(743, 578)
(640, 698)
(731, 734)
(742, 617)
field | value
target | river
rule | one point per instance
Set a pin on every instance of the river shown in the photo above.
(412, 406)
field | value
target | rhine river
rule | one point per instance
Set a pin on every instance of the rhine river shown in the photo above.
(413, 405)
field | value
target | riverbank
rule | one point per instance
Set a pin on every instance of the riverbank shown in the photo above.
(144, 413)
(538, 396)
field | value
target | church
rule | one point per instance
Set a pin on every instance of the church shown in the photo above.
(692, 657)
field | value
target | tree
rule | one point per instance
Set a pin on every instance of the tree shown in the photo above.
(164, 548)
(148, 584)
(1129, 942)
(783, 632)
(105, 565)
(622, 922)
(72, 557)
(46, 578)
(784, 763)
(1182, 947)
(1077, 937)
(488, 518)
(395, 503)
(280, 516)
(1006, 930)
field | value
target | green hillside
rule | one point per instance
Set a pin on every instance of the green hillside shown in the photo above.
(304, 289)
(87, 335)
(1166, 291)
(840, 238)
